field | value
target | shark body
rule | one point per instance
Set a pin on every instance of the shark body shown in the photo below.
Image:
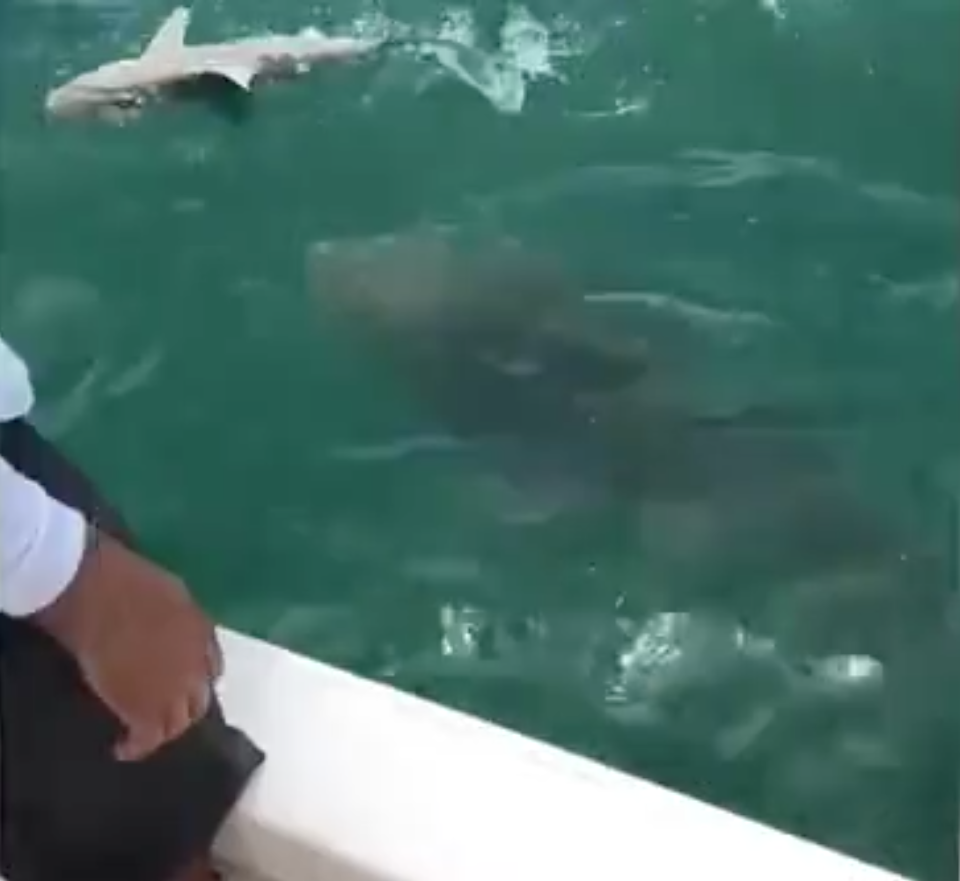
(575, 414)
(224, 74)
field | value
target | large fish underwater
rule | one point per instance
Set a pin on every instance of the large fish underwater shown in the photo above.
(499, 348)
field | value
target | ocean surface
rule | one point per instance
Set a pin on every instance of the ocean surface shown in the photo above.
(768, 190)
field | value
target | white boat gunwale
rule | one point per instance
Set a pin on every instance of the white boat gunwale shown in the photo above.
(364, 782)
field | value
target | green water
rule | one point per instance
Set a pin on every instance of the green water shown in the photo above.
(789, 169)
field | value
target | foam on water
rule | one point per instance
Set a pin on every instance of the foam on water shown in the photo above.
(528, 50)
(775, 7)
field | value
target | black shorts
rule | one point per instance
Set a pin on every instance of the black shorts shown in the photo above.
(68, 810)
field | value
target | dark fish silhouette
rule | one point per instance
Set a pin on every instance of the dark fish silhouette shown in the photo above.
(499, 347)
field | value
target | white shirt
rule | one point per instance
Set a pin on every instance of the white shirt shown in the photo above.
(41, 540)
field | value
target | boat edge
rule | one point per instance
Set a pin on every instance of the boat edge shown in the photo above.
(364, 782)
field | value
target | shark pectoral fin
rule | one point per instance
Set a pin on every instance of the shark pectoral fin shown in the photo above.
(220, 93)
(592, 360)
(171, 35)
(237, 74)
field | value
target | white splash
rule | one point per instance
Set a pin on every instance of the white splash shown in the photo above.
(461, 629)
(526, 43)
(775, 8)
(527, 50)
(526, 54)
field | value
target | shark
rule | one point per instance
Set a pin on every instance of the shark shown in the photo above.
(222, 75)
(572, 414)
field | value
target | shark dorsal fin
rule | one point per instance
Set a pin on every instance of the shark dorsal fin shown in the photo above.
(171, 35)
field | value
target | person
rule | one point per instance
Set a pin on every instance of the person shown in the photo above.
(116, 762)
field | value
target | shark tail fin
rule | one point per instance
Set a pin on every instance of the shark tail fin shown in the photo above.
(171, 35)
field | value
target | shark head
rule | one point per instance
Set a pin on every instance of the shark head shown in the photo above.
(111, 90)
(120, 89)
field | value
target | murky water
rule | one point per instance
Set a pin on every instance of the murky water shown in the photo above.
(765, 193)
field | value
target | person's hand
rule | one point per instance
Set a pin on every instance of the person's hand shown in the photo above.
(142, 644)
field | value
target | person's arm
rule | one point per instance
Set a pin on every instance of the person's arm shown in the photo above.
(142, 644)
(16, 389)
(42, 543)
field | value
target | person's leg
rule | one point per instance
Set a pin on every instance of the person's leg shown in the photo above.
(32, 455)
(68, 810)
